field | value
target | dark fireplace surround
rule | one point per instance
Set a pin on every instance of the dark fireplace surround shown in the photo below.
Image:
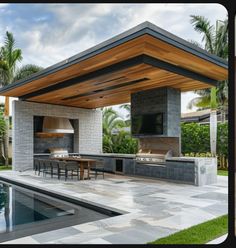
(165, 100)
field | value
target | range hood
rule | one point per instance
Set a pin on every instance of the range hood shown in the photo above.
(56, 125)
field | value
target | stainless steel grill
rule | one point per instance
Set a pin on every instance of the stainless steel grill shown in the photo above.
(153, 156)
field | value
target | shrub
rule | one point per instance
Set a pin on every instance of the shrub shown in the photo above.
(120, 143)
(195, 140)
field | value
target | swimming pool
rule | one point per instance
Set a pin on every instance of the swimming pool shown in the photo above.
(25, 212)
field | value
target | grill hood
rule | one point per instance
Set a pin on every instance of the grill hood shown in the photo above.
(57, 125)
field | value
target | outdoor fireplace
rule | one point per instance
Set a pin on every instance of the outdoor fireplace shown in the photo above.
(155, 116)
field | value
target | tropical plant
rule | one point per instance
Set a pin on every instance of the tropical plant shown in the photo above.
(122, 142)
(9, 57)
(215, 39)
(216, 42)
(2, 125)
(127, 107)
(26, 70)
(111, 121)
(119, 141)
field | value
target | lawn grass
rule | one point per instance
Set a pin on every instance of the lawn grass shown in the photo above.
(3, 167)
(222, 173)
(199, 234)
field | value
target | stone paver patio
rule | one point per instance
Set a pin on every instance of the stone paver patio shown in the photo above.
(154, 208)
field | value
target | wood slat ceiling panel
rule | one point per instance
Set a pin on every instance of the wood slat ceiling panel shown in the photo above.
(156, 78)
(119, 82)
(116, 98)
(125, 51)
(97, 83)
(144, 44)
(171, 54)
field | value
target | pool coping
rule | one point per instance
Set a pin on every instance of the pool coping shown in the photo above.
(110, 211)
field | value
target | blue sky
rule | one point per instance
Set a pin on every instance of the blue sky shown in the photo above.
(49, 33)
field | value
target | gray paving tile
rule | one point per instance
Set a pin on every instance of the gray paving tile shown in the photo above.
(55, 235)
(217, 209)
(154, 208)
(139, 235)
(213, 196)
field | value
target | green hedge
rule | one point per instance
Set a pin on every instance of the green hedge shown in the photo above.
(195, 138)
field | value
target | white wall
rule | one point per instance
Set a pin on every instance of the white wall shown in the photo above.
(87, 138)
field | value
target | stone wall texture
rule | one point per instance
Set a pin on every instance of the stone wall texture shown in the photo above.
(164, 100)
(88, 130)
(160, 100)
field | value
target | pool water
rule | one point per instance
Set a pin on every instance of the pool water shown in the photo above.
(24, 212)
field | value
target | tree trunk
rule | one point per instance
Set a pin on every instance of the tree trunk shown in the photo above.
(213, 131)
(6, 141)
(6, 135)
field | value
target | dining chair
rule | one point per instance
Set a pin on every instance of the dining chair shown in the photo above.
(47, 167)
(73, 168)
(54, 168)
(41, 166)
(62, 169)
(97, 168)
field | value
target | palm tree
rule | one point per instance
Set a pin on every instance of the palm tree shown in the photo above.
(26, 70)
(111, 121)
(216, 42)
(127, 107)
(9, 57)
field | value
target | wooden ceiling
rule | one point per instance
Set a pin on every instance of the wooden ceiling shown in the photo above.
(109, 73)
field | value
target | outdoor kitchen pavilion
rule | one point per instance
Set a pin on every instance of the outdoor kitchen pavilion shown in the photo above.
(140, 59)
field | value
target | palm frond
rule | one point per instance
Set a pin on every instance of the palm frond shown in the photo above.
(200, 102)
(26, 71)
(221, 40)
(195, 43)
(203, 26)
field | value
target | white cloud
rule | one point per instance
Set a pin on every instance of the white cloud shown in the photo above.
(75, 27)
(49, 33)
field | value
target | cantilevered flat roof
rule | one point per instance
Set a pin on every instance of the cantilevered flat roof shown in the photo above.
(141, 58)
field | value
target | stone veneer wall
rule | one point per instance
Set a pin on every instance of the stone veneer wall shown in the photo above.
(87, 137)
(164, 100)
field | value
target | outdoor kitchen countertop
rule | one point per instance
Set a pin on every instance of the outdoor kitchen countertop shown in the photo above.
(114, 155)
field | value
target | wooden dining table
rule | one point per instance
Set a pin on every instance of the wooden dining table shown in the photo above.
(83, 163)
